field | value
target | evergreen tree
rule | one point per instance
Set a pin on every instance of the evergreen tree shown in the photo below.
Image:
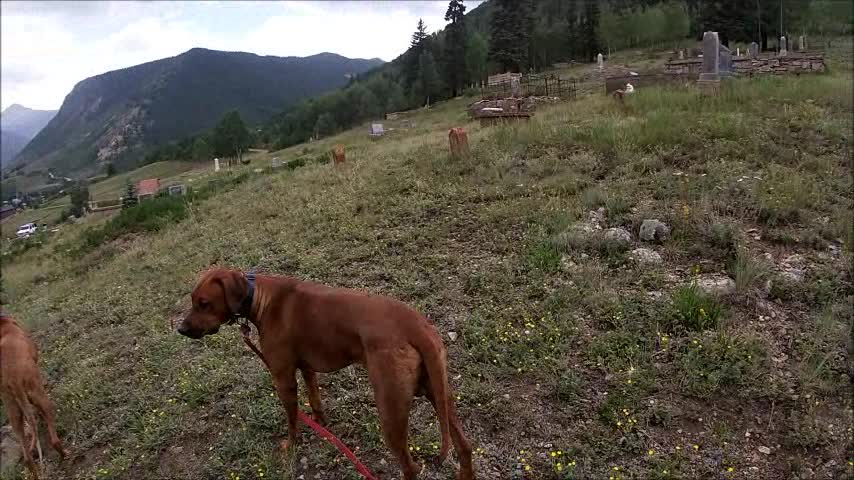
(230, 136)
(589, 27)
(201, 150)
(573, 26)
(428, 84)
(455, 46)
(419, 35)
(324, 126)
(477, 52)
(509, 43)
(129, 199)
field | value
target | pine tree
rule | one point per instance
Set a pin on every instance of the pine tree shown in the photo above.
(455, 46)
(589, 29)
(477, 51)
(428, 84)
(510, 34)
(419, 35)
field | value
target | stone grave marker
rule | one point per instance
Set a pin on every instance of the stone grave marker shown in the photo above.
(711, 57)
(216, 164)
(753, 50)
(725, 62)
(600, 60)
(783, 47)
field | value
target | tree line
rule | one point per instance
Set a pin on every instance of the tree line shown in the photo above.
(514, 36)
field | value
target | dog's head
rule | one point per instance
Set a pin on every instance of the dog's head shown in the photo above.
(216, 299)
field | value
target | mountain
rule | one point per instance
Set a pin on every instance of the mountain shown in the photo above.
(18, 125)
(116, 116)
(24, 121)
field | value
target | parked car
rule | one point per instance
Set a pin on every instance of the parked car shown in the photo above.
(26, 230)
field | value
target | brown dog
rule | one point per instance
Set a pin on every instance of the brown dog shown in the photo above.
(22, 389)
(314, 328)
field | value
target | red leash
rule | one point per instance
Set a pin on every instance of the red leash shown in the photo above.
(322, 432)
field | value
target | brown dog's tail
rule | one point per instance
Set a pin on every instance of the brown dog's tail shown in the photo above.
(433, 353)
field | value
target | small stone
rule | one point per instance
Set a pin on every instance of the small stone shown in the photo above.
(303, 460)
(506, 396)
(383, 462)
(596, 217)
(645, 256)
(765, 450)
(716, 284)
(452, 336)
(654, 231)
(618, 235)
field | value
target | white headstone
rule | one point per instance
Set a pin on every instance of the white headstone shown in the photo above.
(783, 47)
(681, 54)
(600, 60)
(803, 42)
(711, 57)
(737, 52)
(216, 164)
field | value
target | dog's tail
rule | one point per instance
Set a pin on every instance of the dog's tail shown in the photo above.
(433, 353)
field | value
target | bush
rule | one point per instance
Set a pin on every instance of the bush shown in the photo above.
(148, 216)
(717, 362)
(694, 310)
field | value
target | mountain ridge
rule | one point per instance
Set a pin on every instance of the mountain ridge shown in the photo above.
(114, 117)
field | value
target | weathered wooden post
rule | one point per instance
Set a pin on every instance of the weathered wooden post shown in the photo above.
(459, 143)
(338, 154)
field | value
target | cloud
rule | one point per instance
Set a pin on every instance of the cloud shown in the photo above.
(48, 47)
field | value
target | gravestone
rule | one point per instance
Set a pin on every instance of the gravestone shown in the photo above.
(681, 54)
(216, 164)
(802, 42)
(600, 60)
(177, 190)
(783, 45)
(753, 50)
(376, 130)
(711, 57)
(725, 62)
(738, 52)
(515, 87)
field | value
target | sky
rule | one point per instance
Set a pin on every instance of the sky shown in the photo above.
(47, 47)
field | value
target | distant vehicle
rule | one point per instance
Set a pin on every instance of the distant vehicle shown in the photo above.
(26, 230)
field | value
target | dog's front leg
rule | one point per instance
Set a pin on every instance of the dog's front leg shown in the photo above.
(286, 387)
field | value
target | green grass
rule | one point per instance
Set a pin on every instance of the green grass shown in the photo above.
(596, 357)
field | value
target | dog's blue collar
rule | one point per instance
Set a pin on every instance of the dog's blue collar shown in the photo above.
(246, 305)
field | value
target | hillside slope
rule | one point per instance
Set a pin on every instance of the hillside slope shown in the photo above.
(112, 117)
(575, 354)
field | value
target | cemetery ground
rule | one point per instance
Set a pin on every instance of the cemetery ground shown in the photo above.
(722, 350)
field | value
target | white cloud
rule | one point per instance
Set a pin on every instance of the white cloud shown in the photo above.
(47, 47)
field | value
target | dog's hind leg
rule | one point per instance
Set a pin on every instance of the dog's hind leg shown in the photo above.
(461, 444)
(14, 410)
(310, 377)
(42, 404)
(394, 376)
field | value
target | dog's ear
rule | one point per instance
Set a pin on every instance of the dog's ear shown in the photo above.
(234, 288)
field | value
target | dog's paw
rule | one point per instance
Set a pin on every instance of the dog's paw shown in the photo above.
(319, 417)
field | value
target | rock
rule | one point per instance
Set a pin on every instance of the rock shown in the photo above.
(566, 263)
(452, 336)
(10, 452)
(792, 268)
(716, 284)
(596, 217)
(765, 450)
(654, 231)
(618, 235)
(303, 460)
(645, 256)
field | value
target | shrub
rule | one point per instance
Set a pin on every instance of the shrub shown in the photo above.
(749, 273)
(718, 362)
(148, 216)
(695, 310)
(544, 256)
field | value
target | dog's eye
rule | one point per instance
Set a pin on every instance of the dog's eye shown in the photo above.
(203, 304)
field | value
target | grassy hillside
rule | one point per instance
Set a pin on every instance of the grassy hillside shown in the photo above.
(567, 353)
